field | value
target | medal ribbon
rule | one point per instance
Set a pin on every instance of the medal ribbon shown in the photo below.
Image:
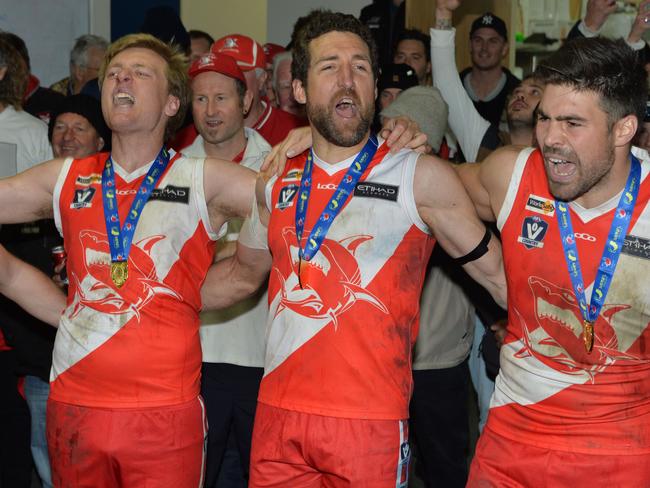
(336, 203)
(119, 239)
(613, 246)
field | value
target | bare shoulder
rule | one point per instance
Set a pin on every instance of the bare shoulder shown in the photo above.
(225, 177)
(496, 170)
(434, 178)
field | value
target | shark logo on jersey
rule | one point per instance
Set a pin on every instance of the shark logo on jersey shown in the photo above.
(556, 338)
(97, 291)
(334, 263)
(99, 309)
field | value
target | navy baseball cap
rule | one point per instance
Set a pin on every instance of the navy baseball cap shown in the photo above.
(490, 21)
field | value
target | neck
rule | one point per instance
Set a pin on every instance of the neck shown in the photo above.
(330, 152)
(228, 149)
(521, 135)
(131, 152)
(611, 184)
(484, 81)
(257, 108)
(3, 106)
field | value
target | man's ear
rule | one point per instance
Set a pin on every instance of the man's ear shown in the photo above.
(3, 72)
(299, 91)
(625, 130)
(247, 102)
(172, 105)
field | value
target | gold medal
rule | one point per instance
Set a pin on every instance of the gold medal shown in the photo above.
(119, 272)
(303, 273)
(588, 330)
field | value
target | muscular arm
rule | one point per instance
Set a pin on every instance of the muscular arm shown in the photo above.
(28, 195)
(446, 208)
(487, 182)
(21, 282)
(228, 190)
(238, 276)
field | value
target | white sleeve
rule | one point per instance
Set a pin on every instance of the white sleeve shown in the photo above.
(464, 120)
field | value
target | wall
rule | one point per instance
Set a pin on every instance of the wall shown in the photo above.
(223, 17)
(282, 14)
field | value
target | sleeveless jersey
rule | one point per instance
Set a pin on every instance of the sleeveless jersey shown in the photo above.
(341, 346)
(550, 392)
(138, 345)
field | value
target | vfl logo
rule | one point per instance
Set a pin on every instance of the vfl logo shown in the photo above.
(540, 205)
(83, 198)
(533, 231)
(287, 196)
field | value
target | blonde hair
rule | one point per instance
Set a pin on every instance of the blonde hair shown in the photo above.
(175, 72)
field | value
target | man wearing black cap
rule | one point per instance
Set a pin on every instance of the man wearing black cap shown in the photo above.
(394, 79)
(487, 82)
(77, 129)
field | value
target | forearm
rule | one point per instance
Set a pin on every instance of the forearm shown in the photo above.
(464, 120)
(488, 272)
(31, 289)
(235, 278)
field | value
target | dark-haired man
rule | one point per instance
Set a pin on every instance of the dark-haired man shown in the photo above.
(412, 48)
(200, 43)
(486, 81)
(571, 403)
(350, 231)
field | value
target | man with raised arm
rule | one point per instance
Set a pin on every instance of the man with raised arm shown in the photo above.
(124, 407)
(350, 229)
(571, 405)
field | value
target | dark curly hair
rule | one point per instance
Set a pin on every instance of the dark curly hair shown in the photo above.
(607, 67)
(318, 23)
(14, 83)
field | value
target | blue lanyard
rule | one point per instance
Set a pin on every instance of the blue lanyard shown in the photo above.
(336, 203)
(119, 239)
(611, 252)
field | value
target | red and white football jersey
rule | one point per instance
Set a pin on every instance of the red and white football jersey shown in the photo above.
(550, 392)
(137, 345)
(341, 346)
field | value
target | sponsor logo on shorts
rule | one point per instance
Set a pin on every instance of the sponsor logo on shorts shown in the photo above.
(540, 205)
(533, 232)
(376, 190)
(287, 196)
(83, 198)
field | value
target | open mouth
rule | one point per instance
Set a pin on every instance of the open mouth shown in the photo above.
(346, 108)
(561, 168)
(213, 123)
(123, 99)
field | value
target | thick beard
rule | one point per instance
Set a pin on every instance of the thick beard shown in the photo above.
(322, 119)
